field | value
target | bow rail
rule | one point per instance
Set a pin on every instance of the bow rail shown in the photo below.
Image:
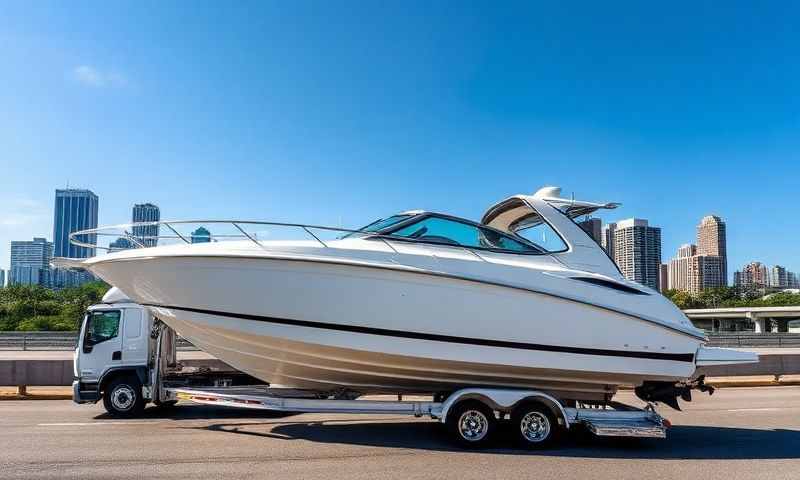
(149, 234)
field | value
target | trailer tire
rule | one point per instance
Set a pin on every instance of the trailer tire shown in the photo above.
(471, 424)
(123, 397)
(535, 425)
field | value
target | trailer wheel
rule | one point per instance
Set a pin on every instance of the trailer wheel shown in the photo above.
(536, 426)
(123, 397)
(471, 424)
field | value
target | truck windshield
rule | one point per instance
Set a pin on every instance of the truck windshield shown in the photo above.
(101, 325)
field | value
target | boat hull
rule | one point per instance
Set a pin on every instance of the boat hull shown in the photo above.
(330, 326)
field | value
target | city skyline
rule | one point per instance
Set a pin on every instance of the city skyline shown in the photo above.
(597, 228)
(286, 116)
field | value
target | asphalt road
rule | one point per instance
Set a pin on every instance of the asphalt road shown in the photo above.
(739, 433)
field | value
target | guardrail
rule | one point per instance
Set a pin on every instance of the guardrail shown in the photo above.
(54, 341)
(748, 339)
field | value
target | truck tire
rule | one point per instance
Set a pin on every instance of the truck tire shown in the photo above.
(471, 424)
(123, 397)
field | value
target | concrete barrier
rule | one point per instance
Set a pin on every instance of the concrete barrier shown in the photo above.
(35, 372)
(48, 373)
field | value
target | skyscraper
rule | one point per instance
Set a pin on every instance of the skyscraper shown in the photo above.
(754, 274)
(778, 277)
(607, 239)
(30, 262)
(637, 251)
(663, 277)
(593, 227)
(201, 235)
(692, 272)
(74, 210)
(2, 278)
(712, 240)
(147, 235)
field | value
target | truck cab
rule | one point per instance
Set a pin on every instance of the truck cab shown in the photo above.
(114, 356)
(127, 358)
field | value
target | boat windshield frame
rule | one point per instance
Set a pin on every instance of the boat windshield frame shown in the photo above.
(368, 229)
(388, 234)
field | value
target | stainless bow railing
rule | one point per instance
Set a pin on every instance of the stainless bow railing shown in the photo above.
(140, 240)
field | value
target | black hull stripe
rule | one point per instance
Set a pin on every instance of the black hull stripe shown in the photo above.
(675, 357)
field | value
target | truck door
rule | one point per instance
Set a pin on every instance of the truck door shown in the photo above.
(101, 345)
(134, 338)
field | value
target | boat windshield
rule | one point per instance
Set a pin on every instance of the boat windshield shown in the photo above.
(452, 231)
(381, 224)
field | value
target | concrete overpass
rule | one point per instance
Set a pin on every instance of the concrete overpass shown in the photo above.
(735, 319)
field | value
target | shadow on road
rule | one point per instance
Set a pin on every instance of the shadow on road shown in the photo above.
(202, 412)
(683, 442)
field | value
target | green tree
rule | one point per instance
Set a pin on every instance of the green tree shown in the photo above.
(31, 307)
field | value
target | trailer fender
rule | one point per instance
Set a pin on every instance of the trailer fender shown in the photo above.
(504, 400)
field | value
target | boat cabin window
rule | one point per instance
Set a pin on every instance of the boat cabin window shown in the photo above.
(543, 236)
(447, 231)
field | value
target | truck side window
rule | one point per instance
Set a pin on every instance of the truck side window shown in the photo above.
(102, 326)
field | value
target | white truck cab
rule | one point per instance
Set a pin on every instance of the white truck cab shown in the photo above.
(127, 358)
(113, 357)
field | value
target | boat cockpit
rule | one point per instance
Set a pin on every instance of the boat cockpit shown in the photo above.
(441, 229)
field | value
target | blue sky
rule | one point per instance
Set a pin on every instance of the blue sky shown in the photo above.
(329, 112)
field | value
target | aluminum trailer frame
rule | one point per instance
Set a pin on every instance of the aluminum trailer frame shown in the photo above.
(621, 421)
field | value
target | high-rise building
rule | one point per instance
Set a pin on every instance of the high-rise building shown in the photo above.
(754, 274)
(593, 227)
(778, 277)
(607, 238)
(792, 279)
(692, 272)
(2, 278)
(663, 277)
(201, 235)
(637, 251)
(75, 210)
(679, 268)
(30, 262)
(147, 235)
(712, 240)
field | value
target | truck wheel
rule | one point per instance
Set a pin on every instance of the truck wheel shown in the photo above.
(536, 426)
(123, 397)
(471, 424)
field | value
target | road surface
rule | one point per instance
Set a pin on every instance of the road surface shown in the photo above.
(739, 433)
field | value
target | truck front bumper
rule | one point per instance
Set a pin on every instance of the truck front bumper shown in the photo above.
(82, 394)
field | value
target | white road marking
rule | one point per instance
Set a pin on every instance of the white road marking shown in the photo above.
(88, 424)
(753, 410)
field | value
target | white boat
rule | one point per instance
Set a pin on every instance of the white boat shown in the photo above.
(422, 302)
